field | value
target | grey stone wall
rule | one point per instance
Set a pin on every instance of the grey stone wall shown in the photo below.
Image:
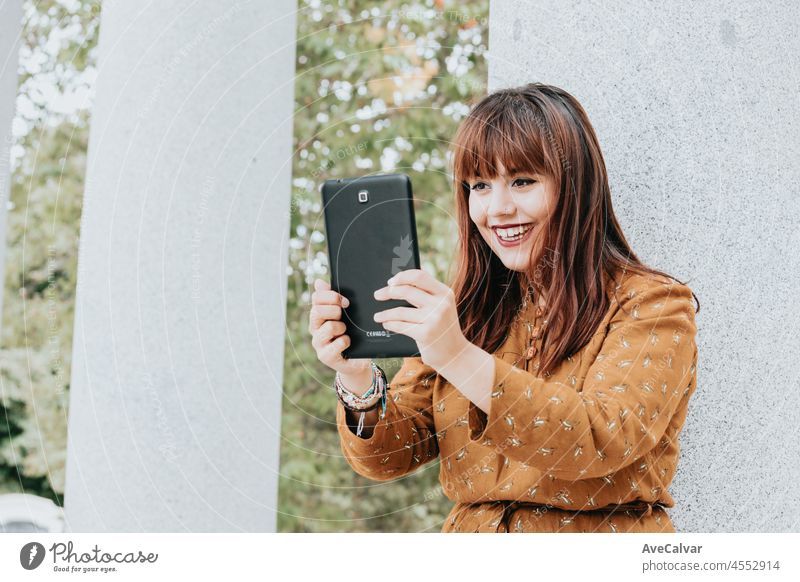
(696, 108)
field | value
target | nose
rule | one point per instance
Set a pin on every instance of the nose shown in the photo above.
(500, 201)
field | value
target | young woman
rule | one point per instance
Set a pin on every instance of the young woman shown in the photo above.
(556, 371)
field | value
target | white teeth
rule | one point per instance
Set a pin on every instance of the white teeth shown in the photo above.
(512, 233)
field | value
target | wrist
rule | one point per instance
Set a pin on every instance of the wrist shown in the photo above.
(470, 372)
(458, 359)
(371, 399)
(358, 383)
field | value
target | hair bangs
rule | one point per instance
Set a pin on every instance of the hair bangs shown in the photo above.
(495, 135)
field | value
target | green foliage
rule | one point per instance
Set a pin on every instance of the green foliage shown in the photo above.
(42, 242)
(379, 88)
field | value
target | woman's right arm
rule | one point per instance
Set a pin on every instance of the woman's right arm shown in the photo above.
(405, 438)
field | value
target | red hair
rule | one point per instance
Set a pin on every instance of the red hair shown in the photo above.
(540, 129)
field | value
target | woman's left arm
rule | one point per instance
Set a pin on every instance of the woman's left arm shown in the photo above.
(619, 412)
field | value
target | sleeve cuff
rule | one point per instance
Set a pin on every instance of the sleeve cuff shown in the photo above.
(348, 435)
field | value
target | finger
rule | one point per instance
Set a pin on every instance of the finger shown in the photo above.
(421, 279)
(409, 329)
(330, 330)
(324, 336)
(321, 313)
(324, 294)
(414, 295)
(323, 297)
(407, 314)
(333, 351)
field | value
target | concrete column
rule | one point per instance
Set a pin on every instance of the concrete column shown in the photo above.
(696, 108)
(10, 40)
(178, 352)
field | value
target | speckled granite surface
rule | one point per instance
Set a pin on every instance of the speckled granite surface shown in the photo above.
(696, 109)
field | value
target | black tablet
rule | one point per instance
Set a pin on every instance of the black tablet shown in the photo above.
(372, 235)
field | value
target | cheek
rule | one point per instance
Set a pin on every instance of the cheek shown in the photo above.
(536, 208)
(476, 212)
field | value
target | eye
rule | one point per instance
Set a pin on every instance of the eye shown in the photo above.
(475, 186)
(528, 180)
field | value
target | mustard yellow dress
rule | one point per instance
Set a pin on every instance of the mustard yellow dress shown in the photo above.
(592, 447)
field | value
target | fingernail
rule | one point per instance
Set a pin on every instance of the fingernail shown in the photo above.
(345, 301)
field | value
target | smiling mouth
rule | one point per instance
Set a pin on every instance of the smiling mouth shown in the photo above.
(514, 234)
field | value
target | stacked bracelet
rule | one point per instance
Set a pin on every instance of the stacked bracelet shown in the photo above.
(371, 399)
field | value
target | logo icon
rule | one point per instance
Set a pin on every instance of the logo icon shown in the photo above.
(31, 555)
(402, 254)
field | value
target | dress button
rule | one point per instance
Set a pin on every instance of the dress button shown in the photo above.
(531, 352)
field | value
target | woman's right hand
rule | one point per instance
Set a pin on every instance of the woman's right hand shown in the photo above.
(329, 340)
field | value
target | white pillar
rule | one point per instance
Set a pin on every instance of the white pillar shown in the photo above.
(179, 327)
(10, 40)
(696, 109)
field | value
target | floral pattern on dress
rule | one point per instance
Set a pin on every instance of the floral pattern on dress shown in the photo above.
(591, 447)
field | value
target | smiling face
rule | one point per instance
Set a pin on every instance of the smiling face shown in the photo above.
(525, 199)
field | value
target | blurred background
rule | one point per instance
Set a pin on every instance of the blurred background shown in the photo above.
(380, 87)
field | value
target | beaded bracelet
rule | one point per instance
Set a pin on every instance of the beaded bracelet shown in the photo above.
(374, 397)
(349, 399)
(354, 401)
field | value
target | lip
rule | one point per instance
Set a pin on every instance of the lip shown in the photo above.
(509, 225)
(514, 243)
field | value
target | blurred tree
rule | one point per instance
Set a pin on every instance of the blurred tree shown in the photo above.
(380, 87)
(49, 158)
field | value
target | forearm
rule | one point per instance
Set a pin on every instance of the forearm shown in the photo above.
(402, 440)
(471, 372)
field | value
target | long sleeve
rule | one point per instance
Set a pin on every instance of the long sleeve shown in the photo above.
(405, 438)
(621, 409)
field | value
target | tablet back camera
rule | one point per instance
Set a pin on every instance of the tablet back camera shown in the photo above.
(363, 196)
